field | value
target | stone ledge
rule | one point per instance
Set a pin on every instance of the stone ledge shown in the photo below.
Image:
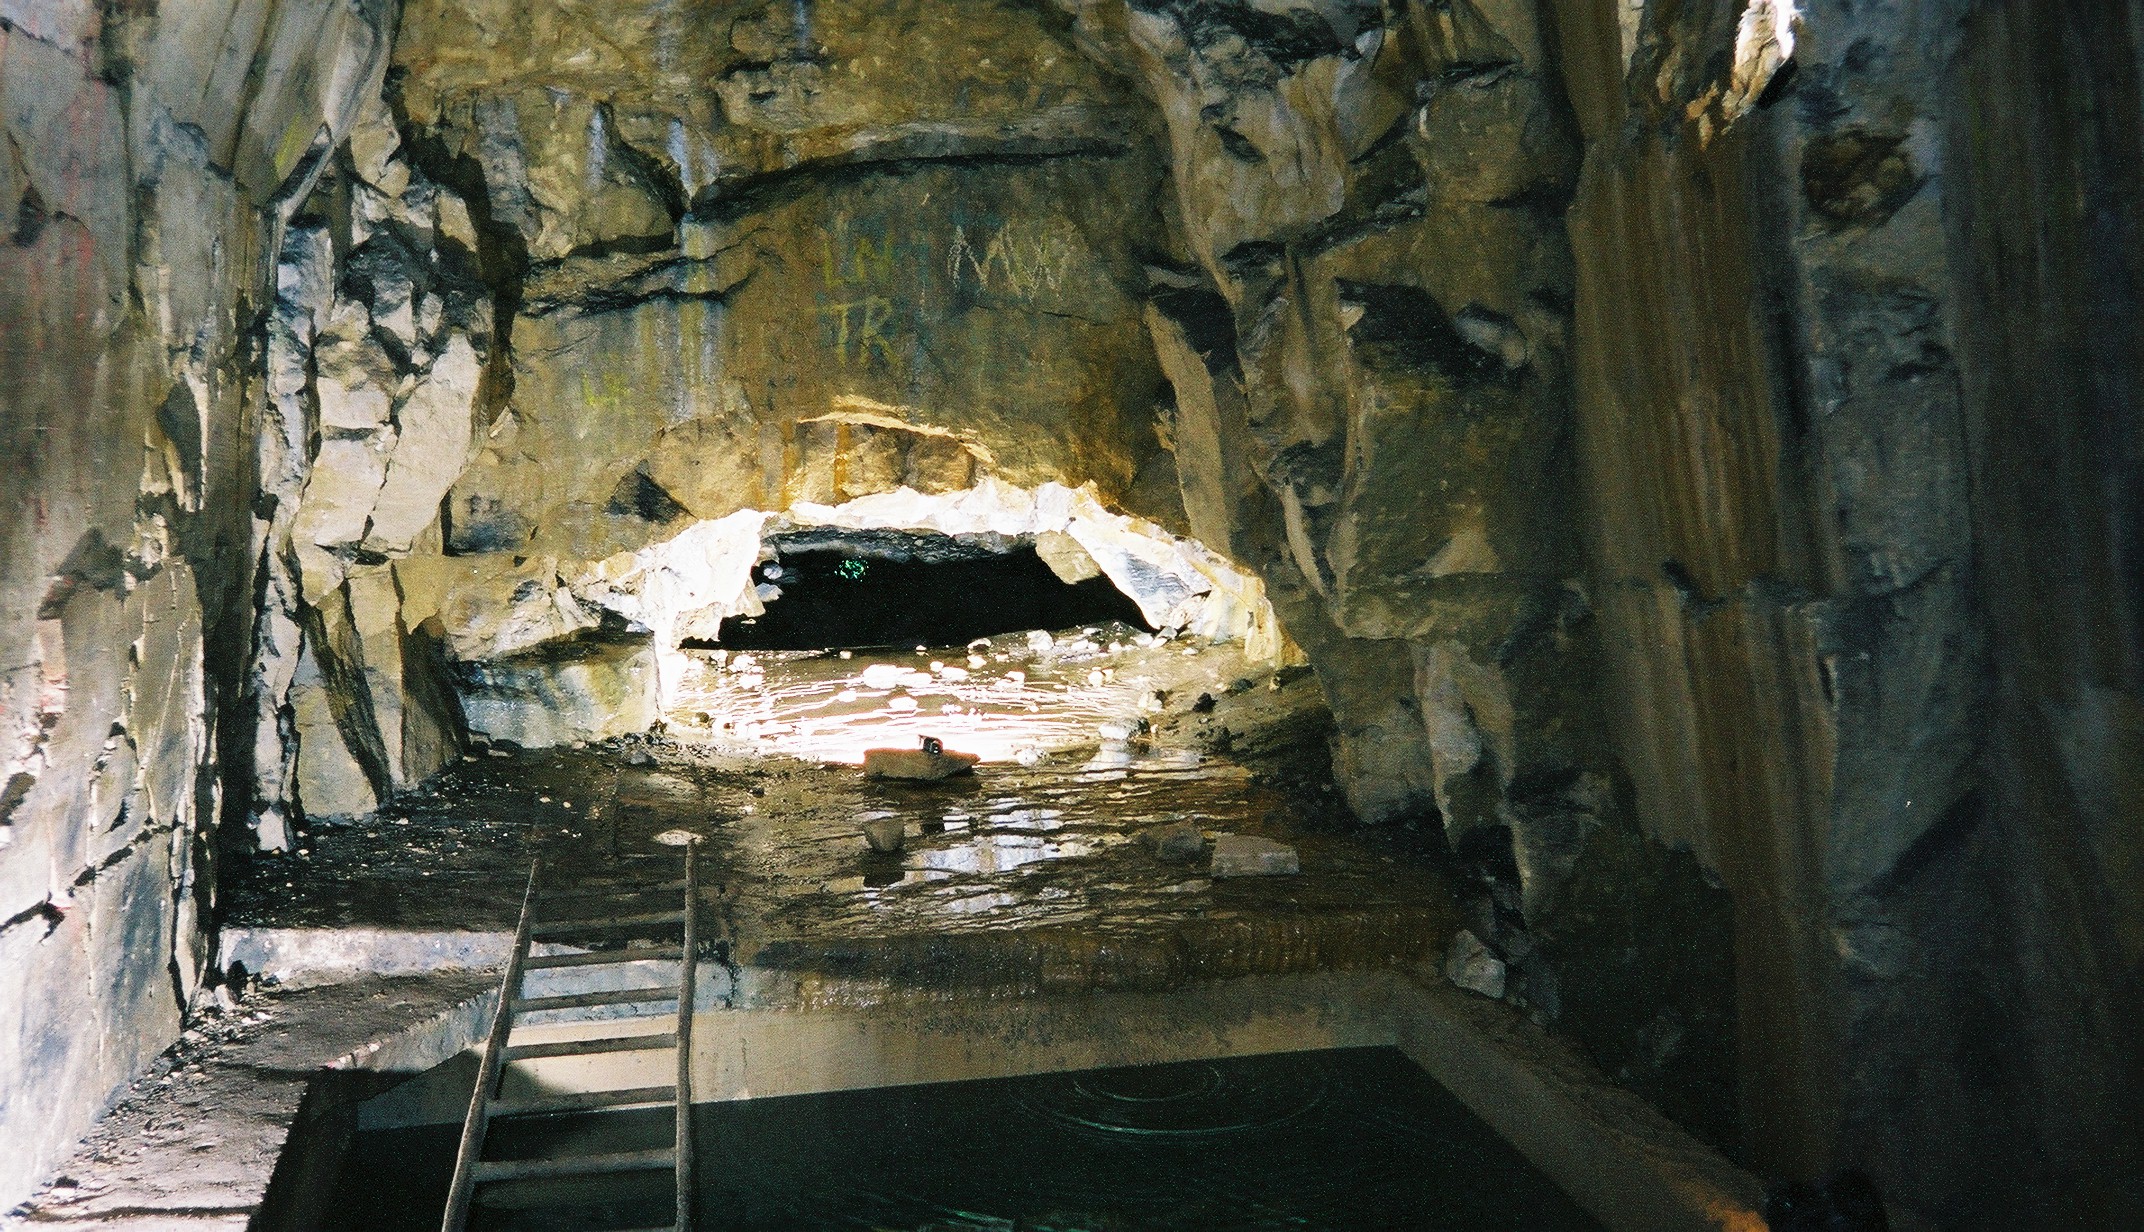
(308, 957)
(194, 1143)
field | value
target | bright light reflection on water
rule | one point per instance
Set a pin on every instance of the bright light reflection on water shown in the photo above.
(1003, 699)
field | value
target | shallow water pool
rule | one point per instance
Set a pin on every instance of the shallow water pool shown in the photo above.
(1346, 1139)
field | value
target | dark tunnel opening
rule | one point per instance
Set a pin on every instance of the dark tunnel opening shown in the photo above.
(861, 592)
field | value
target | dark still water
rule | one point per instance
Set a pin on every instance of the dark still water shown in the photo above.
(1349, 1139)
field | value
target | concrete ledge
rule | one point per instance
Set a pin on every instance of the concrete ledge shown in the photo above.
(196, 1142)
(328, 1048)
(763, 1052)
(1615, 1154)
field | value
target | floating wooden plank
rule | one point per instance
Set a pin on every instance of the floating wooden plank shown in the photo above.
(917, 764)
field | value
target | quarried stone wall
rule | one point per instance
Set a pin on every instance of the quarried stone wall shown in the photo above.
(149, 160)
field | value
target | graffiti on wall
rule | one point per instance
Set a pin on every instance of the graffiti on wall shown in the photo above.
(884, 291)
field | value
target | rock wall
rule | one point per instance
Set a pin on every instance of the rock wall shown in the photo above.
(149, 162)
(1665, 362)
(1802, 414)
(723, 261)
(1612, 399)
(743, 262)
(1370, 362)
(2047, 290)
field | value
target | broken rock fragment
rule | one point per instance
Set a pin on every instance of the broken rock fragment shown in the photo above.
(1471, 965)
(1174, 842)
(1246, 855)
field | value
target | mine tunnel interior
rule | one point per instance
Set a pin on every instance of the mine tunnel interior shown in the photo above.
(1601, 524)
(859, 591)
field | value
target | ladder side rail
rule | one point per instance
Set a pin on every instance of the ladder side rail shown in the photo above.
(477, 1121)
(687, 968)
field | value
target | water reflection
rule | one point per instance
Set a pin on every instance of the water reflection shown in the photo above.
(1013, 698)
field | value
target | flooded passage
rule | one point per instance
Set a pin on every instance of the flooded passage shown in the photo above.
(1030, 872)
(1353, 1139)
(1035, 874)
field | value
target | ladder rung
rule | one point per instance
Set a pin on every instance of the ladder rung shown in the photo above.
(493, 1170)
(583, 1101)
(583, 1000)
(658, 953)
(623, 889)
(590, 1047)
(612, 923)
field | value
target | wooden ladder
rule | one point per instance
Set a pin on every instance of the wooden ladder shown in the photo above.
(472, 1171)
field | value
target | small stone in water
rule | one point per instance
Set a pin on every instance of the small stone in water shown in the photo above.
(884, 834)
(1175, 842)
(1246, 855)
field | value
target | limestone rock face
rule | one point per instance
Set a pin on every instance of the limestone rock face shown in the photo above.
(920, 765)
(988, 314)
(546, 313)
(379, 350)
(1372, 386)
(725, 230)
(591, 691)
